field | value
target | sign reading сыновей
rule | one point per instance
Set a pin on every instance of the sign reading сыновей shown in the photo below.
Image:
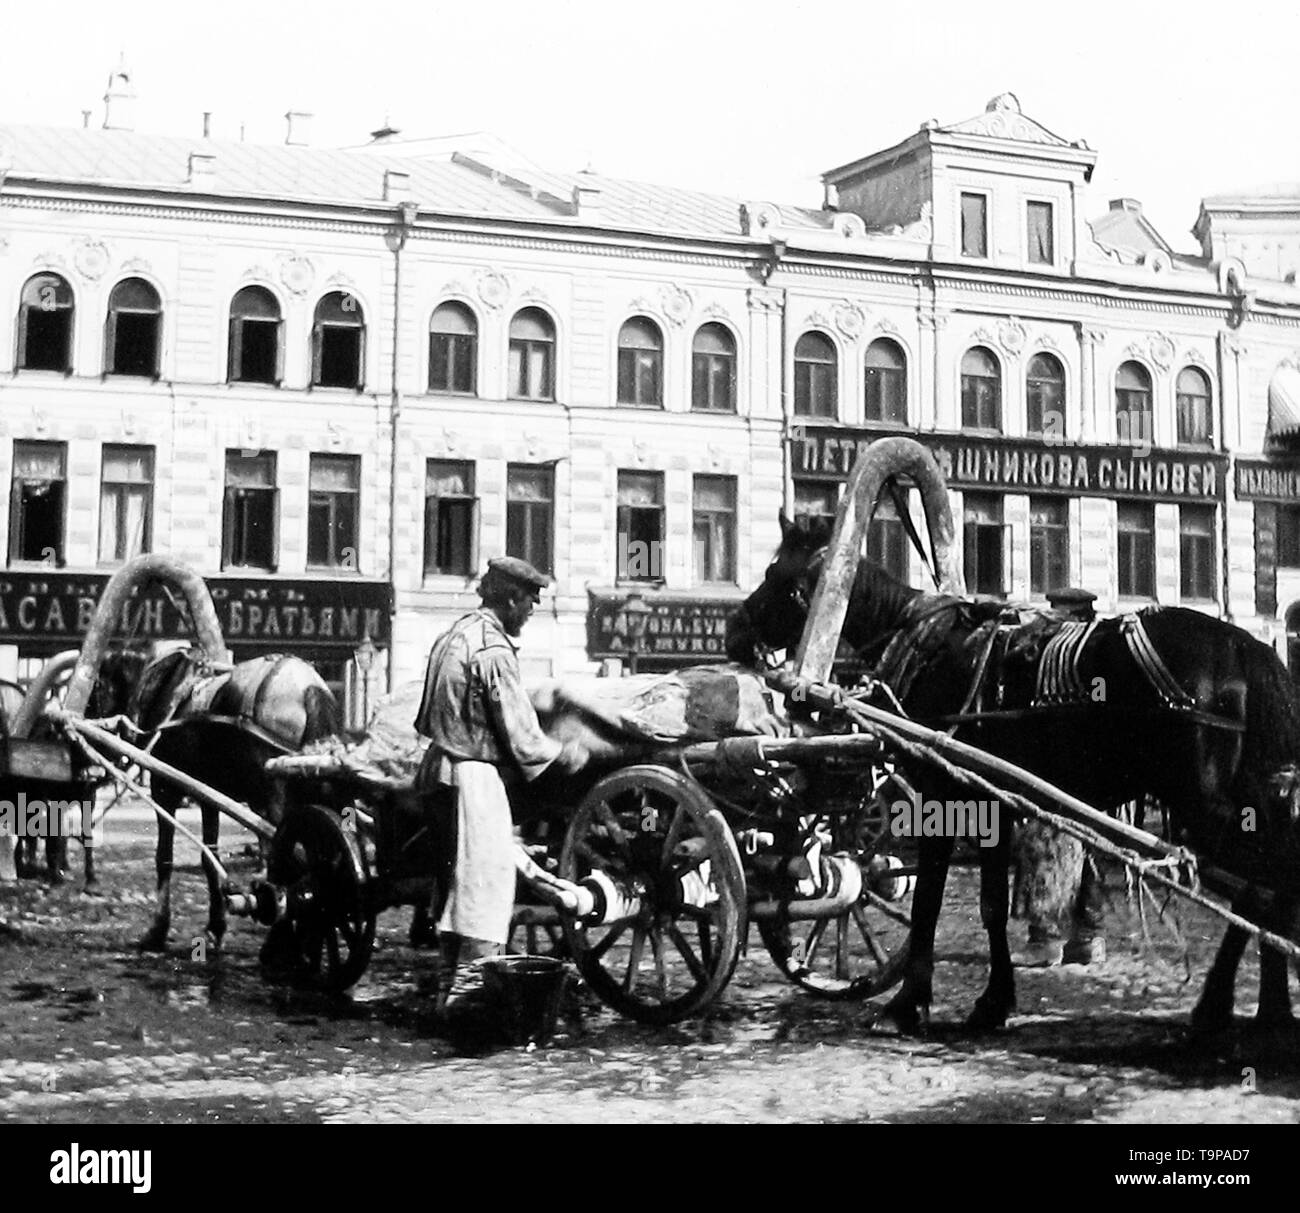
(46, 612)
(1028, 465)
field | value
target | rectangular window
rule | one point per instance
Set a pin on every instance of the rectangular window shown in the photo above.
(333, 512)
(816, 499)
(450, 518)
(1195, 426)
(45, 335)
(640, 533)
(1288, 536)
(1049, 544)
(530, 515)
(338, 356)
(714, 528)
(887, 542)
(814, 388)
(1196, 561)
(531, 370)
(1038, 221)
(451, 362)
(974, 225)
(713, 382)
(886, 394)
(981, 402)
(133, 343)
(255, 351)
(1137, 550)
(126, 502)
(250, 523)
(638, 377)
(983, 536)
(36, 502)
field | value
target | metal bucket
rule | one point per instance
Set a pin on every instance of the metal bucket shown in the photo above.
(528, 990)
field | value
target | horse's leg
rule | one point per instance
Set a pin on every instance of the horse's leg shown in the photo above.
(216, 929)
(999, 997)
(1213, 1011)
(155, 940)
(909, 1009)
(1274, 999)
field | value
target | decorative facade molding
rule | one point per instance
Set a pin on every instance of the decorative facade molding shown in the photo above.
(297, 273)
(756, 218)
(886, 327)
(493, 288)
(850, 319)
(677, 303)
(765, 299)
(137, 265)
(1012, 336)
(49, 260)
(91, 258)
(1162, 350)
(850, 227)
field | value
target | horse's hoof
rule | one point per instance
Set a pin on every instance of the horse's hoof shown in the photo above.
(1210, 1021)
(1275, 1018)
(154, 941)
(908, 1018)
(987, 1016)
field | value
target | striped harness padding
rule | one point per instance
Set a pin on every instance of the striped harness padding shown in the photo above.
(1058, 679)
(1165, 685)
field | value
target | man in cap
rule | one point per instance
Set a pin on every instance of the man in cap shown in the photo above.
(1074, 604)
(482, 728)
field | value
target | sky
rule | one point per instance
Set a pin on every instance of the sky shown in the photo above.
(753, 100)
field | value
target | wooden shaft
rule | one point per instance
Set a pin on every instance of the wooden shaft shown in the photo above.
(200, 791)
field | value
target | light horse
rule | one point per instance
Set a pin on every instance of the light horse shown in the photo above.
(1193, 711)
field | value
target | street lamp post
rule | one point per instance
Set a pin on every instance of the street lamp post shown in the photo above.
(365, 660)
(636, 615)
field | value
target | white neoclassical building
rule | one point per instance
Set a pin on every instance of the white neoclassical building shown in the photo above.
(337, 381)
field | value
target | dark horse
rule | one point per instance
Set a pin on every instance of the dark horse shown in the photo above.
(1223, 761)
(220, 726)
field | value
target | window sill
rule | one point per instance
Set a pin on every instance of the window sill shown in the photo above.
(253, 383)
(248, 570)
(332, 570)
(713, 412)
(359, 390)
(446, 391)
(638, 404)
(47, 371)
(531, 399)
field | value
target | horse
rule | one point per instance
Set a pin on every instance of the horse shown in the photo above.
(219, 726)
(1223, 760)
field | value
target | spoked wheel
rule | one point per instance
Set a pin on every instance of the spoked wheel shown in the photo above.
(329, 931)
(675, 910)
(860, 952)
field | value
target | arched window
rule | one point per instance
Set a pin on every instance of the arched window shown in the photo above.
(1045, 396)
(256, 352)
(453, 349)
(885, 373)
(640, 362)
(815, 379)
(1195, 420)
(981, 391)
(713, 370)
(45, 325)
(532, 355)
(338, 342)
(133, 334)
(1134, 421)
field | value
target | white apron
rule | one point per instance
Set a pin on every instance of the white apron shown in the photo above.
(481, 900)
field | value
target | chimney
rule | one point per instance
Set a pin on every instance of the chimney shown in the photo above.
(203, 171)
(586, 200)
(207, 124)
(85, 120)
(298, 132)
(397, 185)
(385, 133)
(119, 100)
(1132, 205)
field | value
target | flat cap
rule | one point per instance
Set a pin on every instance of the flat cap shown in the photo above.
(1071, 596)
(518, 570)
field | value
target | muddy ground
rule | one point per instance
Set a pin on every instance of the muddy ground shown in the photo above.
(96, 1031)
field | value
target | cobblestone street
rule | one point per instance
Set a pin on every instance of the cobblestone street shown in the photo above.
(96, 1031)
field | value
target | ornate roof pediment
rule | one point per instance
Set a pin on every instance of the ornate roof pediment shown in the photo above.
(1002, 119)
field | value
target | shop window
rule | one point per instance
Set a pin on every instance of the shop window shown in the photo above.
(714, 529)
(338, 342)
(1288, 536)
(532, 355)
(1038, 224)
(332, 512)
(133, 338)
(713, 370)
(45, 325)
(453, 350)
(250, 520)
(1192, 403)
(815, 377)
(36, 502)
(1196, 563)
(974, 225)
(816, 499)
(1049, 544)
(450, 518)
(984, 540)
(981, 391)
(1136, 550)
(1134, 419)
(125, 503)
(641, 530)
(530, 515)
(885, 375)
(1045, 397)
(640, 363)
(256, 328)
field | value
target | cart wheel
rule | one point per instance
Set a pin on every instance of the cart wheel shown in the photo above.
(660, 843)
(329, 930)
